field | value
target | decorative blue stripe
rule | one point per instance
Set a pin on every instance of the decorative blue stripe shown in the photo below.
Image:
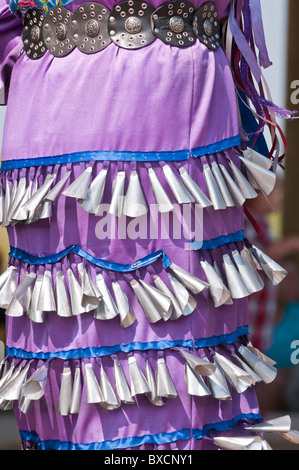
(221, 339)
(134, 441)
(39, 260)
(111, 155)
(20, 254)
(81, 353)
(217, 146)
(100, 155)
(216, 242)
(224, 425)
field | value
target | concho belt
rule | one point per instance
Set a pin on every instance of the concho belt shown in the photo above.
(131, 24)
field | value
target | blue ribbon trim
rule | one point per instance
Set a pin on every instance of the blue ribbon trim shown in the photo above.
(81, 353)
(134, 441)
(22, 255)
(216, 242)
(217, 146)
(124, 268)
(111, 155)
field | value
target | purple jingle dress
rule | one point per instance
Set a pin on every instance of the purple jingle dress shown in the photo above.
(123, 182)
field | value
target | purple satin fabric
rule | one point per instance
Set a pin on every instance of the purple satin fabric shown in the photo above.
(158, 98)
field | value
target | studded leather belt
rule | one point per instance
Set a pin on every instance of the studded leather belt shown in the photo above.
(131, 24)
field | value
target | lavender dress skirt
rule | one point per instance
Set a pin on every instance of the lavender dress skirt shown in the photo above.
(123, 185)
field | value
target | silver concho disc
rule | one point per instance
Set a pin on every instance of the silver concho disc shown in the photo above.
(129, 25)
(57, 31)
(172, 23)
(206, 26)
(89, 27)
(32, 35)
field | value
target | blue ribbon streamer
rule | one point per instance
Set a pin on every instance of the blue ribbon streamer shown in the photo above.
(110, 155)
(135, 441)
(81, 353)
(218, 241)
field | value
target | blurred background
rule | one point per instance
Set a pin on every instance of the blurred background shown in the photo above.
(274, 313)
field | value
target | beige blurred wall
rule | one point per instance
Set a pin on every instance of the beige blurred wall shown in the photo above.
(4, 249)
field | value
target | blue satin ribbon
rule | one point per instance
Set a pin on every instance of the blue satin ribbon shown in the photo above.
(135, 441)
(178, 155)
(110, 265)
(81, 353)
(218, 241)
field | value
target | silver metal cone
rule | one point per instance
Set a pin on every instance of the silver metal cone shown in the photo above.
(237, 288)
(233, 188)
(255, 377)
(11, 390)
(34, 387)
(185, 299)
(249, 279)
(266, 371)
(46, 301)
(17, 200)
(23, 292)
(248, 259)
(235, 443)
(199, 365)
(191, 282)
(177, 312)
(55, 191)
(291, 436)
(218, 385)
(246, 188)
(110, 401)
(195, 383)
(215, 195)
(165, 385)
(121, 385)
(76, 393)
(161, 197)
(20, 214)
(62, 297)
(93, 391)
(265, 179)
(9, 203)
(182, 196)
(24, 405)
(7, 375)
(193, 188)
(138, 381)
(219, 292)
(152, 396)
(147, 305)
(76, 294)
(65, 394)
(257, 158)
(110, 309)
(135, 204)
(91, 294)
(35, 200)
(229, 202)
(8, 190)
(161, 301)
(240, 379)
(116, 204)
(95, 193)
(281, 425)
(78, 189)
(127, 318)
(34, 313)
(8, 285)
(14, 309)
(273, 270)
